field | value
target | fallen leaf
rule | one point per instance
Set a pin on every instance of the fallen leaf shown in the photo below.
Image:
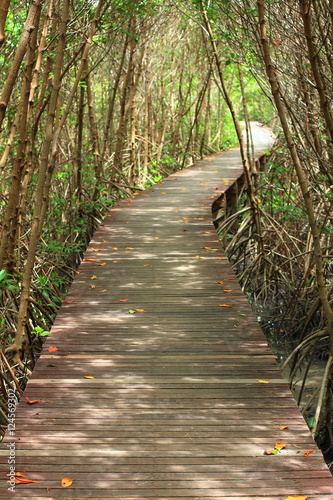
(185, 230)
(123, 300)
(295, 497)
(263, 381)
(52, 349)
(146, 265)
(140, 310)
(68, 301)
(227, 291)
(96, 249)
(103, 291)
(219, 258)
(88, 376)
(163, 192)
(283, 427)
(66, 482)
(91, 260)
(221, 283)
(271, 452)
(92, 287)
(279, 446)
(32, 402)
(93, 277)
(18, 474)
(102, 264)
(156, 237)
(206, 248)
(24, 480)
(116, 261)
(116, 248)
(307, 453)
(131, 311)
(224, 305)
(129, 248)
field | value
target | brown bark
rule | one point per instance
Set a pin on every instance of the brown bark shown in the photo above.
(28, 28)
(9, 228)
(4, 6)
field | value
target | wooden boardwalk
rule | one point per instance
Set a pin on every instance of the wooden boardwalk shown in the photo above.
(174, 407)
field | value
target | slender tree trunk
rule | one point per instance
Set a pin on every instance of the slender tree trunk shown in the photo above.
(9, 229)
(250, 192)
(314, 59)
(29, 27)
(4, 6)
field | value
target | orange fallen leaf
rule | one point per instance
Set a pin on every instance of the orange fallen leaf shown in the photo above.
(206, 248)
(283, 427)
(88, 376)
(123, 300)
(219, 258)
(116, 261)
(146, 265)
(227, 291)
(96, 249)
(91, 260)
(295, 497)
(221, 283)
(307, 453)
(68, 301)
(52, 349)
(25, 480)
(103, 291)
(224, 305)
(279, 446)
(102, 264)
(140, 310)
(92, 286)
(66, 482)
(32, 402)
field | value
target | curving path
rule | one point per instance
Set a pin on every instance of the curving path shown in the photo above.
(173, 406)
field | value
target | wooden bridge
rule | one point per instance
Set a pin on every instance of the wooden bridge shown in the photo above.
(156, 381)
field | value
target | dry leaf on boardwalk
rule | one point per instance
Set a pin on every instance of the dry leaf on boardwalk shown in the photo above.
(66, 482)
(32, 402)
